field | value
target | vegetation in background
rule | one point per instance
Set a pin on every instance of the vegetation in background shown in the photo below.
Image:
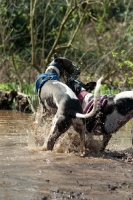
(96, 35)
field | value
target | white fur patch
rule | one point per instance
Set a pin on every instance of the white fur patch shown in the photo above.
(122, 95)
(56, 102)
(53, 124)
(68, 90)
(55, 68)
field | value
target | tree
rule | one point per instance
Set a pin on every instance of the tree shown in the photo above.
(88, 32)
(32, 41)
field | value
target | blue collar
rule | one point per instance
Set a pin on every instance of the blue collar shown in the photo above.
(43, 78)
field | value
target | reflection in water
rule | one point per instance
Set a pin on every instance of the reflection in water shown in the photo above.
(36, 175)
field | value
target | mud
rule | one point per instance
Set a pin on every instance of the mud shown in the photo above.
(27, 173)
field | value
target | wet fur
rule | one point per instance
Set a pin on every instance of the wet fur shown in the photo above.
(58, 99)
(109, 119)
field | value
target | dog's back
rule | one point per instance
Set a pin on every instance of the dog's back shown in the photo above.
(57, 95)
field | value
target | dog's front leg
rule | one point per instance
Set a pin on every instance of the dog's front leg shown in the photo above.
(50, 141)
(45, 114)
(82, 142)
(40, 114)
(88, 139)
(79, 126)
(54, 134)
(106, 138)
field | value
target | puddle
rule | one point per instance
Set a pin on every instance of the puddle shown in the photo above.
(43, 175)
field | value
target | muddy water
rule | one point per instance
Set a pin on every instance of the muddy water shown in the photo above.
(41, 175)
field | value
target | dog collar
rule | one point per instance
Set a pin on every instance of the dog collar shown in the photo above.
(43, 78)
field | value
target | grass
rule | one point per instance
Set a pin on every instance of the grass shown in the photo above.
(29, 89)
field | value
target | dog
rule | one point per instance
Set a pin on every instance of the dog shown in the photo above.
(114, 111)
(57, 98)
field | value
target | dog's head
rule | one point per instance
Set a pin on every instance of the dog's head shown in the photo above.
(78, 86)
(65, 66)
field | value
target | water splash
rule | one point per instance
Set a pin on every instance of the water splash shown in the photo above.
(67, 142)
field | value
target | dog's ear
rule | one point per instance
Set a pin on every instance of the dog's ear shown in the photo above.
(56, 58)
(55, 55)
(90, 86)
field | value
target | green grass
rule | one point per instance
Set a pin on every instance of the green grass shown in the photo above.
(29, 89)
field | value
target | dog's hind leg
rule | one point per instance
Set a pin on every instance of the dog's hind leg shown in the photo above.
(89, 138)
(59, 126)
(79, 126)
(106, 138)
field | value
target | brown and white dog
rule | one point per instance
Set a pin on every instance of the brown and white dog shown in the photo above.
(57, 98)
(113, 113)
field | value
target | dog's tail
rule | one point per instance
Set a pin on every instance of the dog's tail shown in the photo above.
(93, 111)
